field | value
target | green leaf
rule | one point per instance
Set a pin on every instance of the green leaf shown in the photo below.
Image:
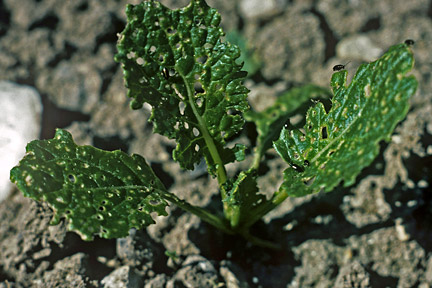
(99, 192)
(176, 61)
(251, 62)
(269, 122)
(337, 145)
(242, 197)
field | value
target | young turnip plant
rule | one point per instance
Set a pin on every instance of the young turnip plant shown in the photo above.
(178, 62)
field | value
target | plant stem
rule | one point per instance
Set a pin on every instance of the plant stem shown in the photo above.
(260, 242)
(210, 218)
(221, 173)
(267, 206)
(256, 160)
(217, 222)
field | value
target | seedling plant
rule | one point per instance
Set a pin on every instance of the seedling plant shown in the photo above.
(179, 62)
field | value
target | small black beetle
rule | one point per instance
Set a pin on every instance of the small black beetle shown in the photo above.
(409, 42)
(339, 67)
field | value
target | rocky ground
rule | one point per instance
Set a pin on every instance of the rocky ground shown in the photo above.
(377, 233)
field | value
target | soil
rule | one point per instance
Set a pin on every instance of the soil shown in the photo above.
(376, 233)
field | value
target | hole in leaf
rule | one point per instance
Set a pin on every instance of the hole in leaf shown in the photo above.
(306, 163)
(72, 178)
(195, 131)
(153, 49)
(331, 153)
(202, 59)
(309, 181)
(172, 72)
(182, 107)
(198, 87)
(140, 61)
(199, 102)
(101, 208)
(208, 46)
(173, 86)
(324, 132)
(197, 147)
(322, 166)
(154, 202)
(171, 31)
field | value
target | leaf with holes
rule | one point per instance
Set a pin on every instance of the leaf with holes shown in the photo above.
(243, 197)
(337, 145)
(176, 61)
(99, 192)
(269, 122)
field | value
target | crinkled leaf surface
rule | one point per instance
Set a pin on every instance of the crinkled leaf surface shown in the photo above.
(337, 145)
(175, 60)
(99, 192)
(269, 122)
(243, 195)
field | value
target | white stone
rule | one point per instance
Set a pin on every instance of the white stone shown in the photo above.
(20, 122)
(358, 47)
(422, 184)
(260, 8)
(401, 233)
(119, 278)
